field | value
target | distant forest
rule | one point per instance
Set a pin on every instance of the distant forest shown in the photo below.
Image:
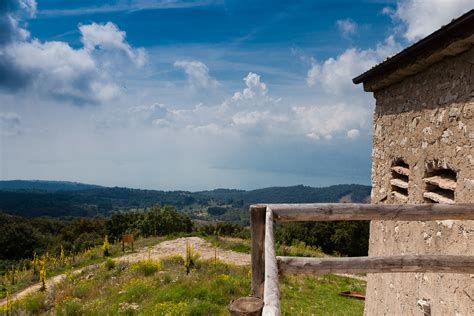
(60, 199)
(77, 216)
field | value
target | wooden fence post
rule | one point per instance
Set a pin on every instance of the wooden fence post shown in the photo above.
(257, 227)
(271, 292)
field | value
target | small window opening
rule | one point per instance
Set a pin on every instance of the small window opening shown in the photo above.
(400, 172)
(440, 184)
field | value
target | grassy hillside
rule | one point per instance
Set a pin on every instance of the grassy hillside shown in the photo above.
(163, 288)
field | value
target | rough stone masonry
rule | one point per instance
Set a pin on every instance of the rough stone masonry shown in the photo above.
(424, 127)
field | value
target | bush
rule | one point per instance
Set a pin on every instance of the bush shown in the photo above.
(299, 249)
(225, 229)
(173, 260)
(109, 264)
(81, 290)
(147, 267)
(70, 307)
(35, 303)
(137, 290)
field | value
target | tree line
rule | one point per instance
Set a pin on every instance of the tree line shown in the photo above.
(21, 237)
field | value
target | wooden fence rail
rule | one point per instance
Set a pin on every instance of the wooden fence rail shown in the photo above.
(266, 265)
(367, 212)
(389, 264)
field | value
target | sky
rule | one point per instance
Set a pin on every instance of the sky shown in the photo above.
(197, 94)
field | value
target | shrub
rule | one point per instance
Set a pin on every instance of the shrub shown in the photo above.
(42, 275)
(109, 264)
(106, 247)
(137, 290)
(70, 307)
(35, 303)
(191, 259)
(147, 267)
(172, 260)
(81, 290)
(225, 229)
(120, 266)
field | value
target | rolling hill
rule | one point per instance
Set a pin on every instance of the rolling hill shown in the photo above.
(58, 199)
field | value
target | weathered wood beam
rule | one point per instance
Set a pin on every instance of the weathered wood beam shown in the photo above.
(390, 264)
(271, 293)
(257, 231)
(357, 212)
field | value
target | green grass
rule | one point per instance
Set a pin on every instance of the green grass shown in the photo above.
(302, 295)
(299, 249)
(168, 290)
(234, 244)
(93, 256)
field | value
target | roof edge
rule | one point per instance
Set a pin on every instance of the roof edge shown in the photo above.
(457, 29)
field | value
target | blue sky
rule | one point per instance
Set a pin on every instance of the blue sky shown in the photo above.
(173, 94)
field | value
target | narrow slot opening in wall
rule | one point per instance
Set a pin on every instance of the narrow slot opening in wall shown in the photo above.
(400, 174)
(440, 184)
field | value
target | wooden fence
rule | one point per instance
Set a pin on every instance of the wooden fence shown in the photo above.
(266, 266)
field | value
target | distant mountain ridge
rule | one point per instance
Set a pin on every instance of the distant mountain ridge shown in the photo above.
(59, 198)
(46, 185)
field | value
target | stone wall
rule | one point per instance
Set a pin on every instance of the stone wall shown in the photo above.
(425, 121)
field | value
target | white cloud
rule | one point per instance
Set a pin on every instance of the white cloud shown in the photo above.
(334, 75)
(252, 112)
(353, 133)
(54, 68)
(255, 88)
(197, 73)
(347, 27)
(422, 17)
(133, 117)
(246, 118)
(110, 38)
(323, 122)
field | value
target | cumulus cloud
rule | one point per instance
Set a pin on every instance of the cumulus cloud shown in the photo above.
(54, 68)
(9, 123)
(255, 88)
(334, 75)
(251, 111)
(323, 122)
(197, 73)
(347, 27)
(421, 17)
(110, 38)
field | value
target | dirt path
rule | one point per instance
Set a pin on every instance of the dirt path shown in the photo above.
(178, 246)
(161, 250)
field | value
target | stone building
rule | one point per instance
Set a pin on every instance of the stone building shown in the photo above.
(423, 135)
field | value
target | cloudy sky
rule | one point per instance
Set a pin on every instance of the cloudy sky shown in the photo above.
(197, 94)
